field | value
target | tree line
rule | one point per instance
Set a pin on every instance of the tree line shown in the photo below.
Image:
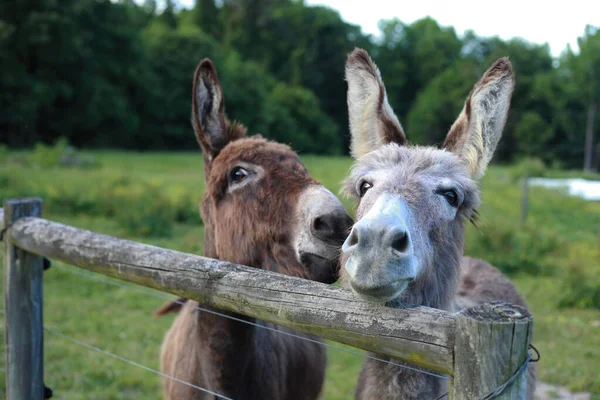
(117, 74)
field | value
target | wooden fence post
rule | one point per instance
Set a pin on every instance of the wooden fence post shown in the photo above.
(491, 343)
(23, 323)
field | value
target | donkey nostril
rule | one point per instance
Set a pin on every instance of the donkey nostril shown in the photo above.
(400, 242)
(331, 228)
(323, 227)
(353, 239)
(319, 225)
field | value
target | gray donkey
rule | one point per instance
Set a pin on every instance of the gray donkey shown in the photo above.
(413, 203)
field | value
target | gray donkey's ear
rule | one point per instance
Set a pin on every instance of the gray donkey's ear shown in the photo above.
(372, 120)
(477, 130)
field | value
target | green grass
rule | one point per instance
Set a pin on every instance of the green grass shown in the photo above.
(561, 234)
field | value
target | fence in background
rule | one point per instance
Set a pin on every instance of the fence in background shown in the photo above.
(572, 189)
(470, 346)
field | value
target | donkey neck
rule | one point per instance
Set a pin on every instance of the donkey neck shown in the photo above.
(435, 288)
(384, 381)
(236, 345)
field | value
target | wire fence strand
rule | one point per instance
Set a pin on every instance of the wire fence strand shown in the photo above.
(120, 358)
(128, 361)
(95, 277)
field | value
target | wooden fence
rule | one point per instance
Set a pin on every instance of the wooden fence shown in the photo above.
(479, 348)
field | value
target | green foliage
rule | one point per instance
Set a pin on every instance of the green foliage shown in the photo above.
(410, 56)
(142, 208)
(124, 69)
(3, 153)
(297, 120)
(532, 134)
(168, 17)
(48, 156)
(438, 105)
(174, 55)
(527, 249)
(61, 154)
(308, 46)
(585, 67)
(581, 287)
(151, 214)
(205, 14)
(129, 71)
(531, 166)
(277, 110)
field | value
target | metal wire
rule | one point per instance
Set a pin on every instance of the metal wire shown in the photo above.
(498, 390)
(494, 393)
(108, 353)
(162, 297)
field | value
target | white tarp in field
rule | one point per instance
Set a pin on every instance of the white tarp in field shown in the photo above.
(589, 190)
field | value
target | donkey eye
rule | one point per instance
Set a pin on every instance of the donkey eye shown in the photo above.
(451, 197)
(238, 174)
(364, 187)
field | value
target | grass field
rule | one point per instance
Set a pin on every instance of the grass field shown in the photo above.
(152, 198)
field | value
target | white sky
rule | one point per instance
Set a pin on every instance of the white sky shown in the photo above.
(534, 20)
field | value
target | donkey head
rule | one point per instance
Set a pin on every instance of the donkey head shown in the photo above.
(413, 201)
(261, 207)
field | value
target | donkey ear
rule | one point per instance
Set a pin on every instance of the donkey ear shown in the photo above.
(209, 121)
(477, 130)
(372, 120)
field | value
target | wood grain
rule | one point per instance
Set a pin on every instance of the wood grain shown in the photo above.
(420, 335)
(491, 344)
(23, 322)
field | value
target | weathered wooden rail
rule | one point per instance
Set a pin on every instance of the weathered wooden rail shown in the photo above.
(479, 348)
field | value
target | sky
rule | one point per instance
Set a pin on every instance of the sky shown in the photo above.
(533, 20)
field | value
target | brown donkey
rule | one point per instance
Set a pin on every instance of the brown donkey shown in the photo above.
(413, 202)
(262, 209)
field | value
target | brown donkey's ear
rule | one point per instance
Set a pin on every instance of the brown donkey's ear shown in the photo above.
(477, 130)
(372, 120)
(212, 129)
